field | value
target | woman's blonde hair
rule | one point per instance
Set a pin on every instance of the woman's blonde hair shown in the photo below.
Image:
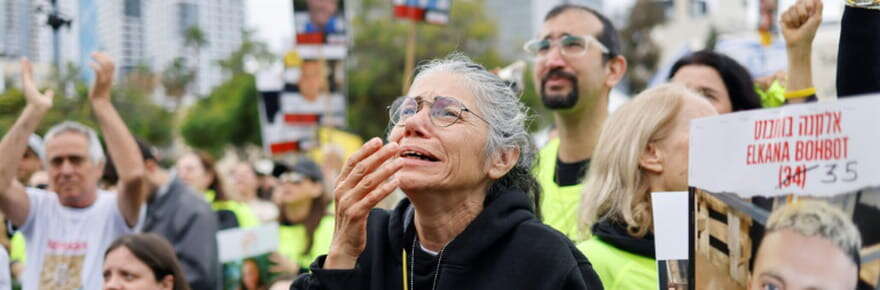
(616, 187)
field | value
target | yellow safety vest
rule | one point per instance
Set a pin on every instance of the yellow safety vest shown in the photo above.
(619, 269)
(559, 204)
(292, 241)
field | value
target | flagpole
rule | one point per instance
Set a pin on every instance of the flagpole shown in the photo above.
(409, 62)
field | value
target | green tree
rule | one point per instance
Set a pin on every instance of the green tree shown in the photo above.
(227, 116)
(376, 60)
(249, 50)
(145, 119)
(176, 78)
(641, 51)
(194, 39)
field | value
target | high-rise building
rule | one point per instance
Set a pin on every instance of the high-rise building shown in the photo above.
(120, 32)
(19, 24)
(512, 31)
(221, 23)
(87, 38)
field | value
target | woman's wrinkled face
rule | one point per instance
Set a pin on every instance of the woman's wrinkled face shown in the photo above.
(191, 171)
(123, 270)
(441, 158)
(674, 147)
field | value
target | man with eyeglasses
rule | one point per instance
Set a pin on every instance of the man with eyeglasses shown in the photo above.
(577, 62)
(68, 229)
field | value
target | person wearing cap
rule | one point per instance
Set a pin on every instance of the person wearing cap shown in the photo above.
(177, 213)
(306, 228)
(31, 161)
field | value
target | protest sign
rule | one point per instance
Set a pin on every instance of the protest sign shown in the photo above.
(818, 149)
(750, 169)
(670, 210)
(240, 243)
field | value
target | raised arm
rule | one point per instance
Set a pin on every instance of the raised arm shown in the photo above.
(799, 25)
(120, 143)
(13, 199)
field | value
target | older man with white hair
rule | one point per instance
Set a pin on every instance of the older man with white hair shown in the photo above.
(68, 230)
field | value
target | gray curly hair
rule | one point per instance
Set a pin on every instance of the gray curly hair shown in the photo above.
(507, 116)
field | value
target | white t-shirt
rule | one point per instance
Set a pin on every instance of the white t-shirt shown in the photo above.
(65, 246)
(5, 274)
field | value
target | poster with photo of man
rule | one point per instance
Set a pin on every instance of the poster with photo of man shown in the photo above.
(321, 28)
(787, 198)
(307, 94)
(428, 11)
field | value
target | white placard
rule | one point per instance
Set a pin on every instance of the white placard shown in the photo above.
(239, 243)
(670, 211)
(819, 149)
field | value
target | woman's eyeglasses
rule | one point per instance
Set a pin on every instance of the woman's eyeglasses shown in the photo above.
(444, 111)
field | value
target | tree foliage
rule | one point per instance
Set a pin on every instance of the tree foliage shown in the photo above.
(176, 78)
(641, 51)
(376, 63)
(249, 50)
(227, 116)
(145, 119)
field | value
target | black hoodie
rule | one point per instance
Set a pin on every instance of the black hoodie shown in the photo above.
(504, 247)
(616, 235)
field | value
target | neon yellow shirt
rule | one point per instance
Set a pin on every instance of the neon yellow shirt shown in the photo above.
(243, 214)
(559, 204)
(619, 269)
(292, 241)
(18, 251)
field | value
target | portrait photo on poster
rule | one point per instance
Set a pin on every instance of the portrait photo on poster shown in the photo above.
(321, 28)
(787, 197)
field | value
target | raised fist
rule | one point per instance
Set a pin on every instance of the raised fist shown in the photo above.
(800, 22)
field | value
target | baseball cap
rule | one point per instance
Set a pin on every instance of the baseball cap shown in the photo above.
(35, 143)
(303, 168)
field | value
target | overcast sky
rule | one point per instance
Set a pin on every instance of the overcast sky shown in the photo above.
(271, 20)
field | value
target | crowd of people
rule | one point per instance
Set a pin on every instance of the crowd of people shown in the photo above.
(481, 208)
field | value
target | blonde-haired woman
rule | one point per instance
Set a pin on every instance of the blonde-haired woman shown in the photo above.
(643, 148)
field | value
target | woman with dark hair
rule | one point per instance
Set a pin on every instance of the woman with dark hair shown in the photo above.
(142, 261)
(722, 80)
(306, 227)
(197, 169)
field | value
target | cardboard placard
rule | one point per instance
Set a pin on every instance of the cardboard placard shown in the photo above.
(819, 149)
(670, 212)
(428, 11)
(239, 243)
(321, 28)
